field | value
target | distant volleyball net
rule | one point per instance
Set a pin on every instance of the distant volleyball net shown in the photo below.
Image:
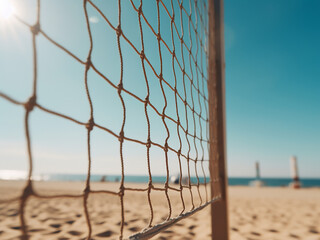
(145, 72)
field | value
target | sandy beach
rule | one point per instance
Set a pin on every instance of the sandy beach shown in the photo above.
(255, 213)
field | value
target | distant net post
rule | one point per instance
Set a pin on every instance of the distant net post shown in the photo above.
(294, 169)
(216, 88)
(257, 171)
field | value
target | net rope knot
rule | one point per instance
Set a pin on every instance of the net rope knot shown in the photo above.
(29, 106)
(90, 124)
(173, 16)
(148, 143)
(86, 191)
(179, 152)
(146, 100)
(121, 136)
(35, 29)
(166, 147)
(159, 36)
(142, 55)
(118, 30)
(120, 87)
(121, 190)
(27, 191)
(140, 10)
(88, 63)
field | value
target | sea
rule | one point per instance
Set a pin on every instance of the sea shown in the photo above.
(232, 181)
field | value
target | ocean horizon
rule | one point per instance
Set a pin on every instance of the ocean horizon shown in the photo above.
(232, 181)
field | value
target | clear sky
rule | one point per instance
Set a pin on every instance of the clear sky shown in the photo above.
(272, 88)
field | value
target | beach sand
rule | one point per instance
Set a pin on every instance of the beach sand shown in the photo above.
(254, 213)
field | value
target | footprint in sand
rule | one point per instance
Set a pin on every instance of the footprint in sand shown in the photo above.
(75, 233)
(313, 231)
(162, 238)
(36, 230)
(134, 220)
(134, 229)
(54, 232)
(192, 227)
(255, 233)
(119, 223)
(14, 214)
(55, 225)
(70, 222)
(294, 236)
(99, 223)
(16, 227)
(105, 234)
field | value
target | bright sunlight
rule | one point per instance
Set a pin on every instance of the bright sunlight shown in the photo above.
(6, 9)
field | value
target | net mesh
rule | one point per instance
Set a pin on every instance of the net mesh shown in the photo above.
(188, 33)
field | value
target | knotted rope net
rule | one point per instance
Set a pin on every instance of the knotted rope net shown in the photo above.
(186, 42)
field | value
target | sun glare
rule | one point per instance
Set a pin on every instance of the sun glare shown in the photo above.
(6, 9)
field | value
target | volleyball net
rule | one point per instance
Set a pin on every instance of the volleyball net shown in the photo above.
(170, 46)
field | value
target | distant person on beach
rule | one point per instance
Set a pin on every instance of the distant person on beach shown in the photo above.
(103, 178)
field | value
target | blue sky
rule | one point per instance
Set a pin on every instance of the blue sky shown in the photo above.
(272, 90)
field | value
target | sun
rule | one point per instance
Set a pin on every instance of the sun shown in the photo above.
(6, 9)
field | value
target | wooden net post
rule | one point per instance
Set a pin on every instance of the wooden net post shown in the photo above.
(216, 89)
